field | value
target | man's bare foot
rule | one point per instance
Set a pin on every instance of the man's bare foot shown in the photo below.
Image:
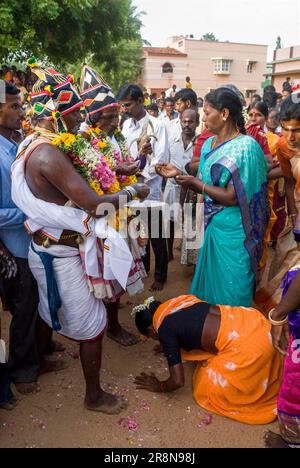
(25, 388)
(273, 441)
(9, 405)
(47, 367)
(107, 403)
(157, 286)
(122, 337)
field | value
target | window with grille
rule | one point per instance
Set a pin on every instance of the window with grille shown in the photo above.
(251, 67)
(167, 68)
(222, 66)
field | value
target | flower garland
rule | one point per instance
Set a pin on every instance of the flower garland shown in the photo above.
(92, 165)
(95, 161)
(103, 145)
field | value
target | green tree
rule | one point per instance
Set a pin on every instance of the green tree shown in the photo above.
(64, 32)
(209, 37)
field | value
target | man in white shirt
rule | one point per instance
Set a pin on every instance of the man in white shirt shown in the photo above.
(172, 91)
(181, 153)
(184, 99)
(170, 115)
(147, 140)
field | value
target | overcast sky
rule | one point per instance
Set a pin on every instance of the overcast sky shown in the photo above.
(251, 21)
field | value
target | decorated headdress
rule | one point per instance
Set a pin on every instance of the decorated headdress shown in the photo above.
(96, 94)
(53, 95)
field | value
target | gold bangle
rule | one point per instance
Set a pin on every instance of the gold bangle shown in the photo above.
(203, 189)
(277, 323)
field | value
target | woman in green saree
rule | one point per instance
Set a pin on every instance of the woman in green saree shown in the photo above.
(232, 176)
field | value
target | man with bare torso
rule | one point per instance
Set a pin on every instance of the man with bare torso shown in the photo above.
(51, 177)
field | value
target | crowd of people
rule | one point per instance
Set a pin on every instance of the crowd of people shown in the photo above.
(80, 167)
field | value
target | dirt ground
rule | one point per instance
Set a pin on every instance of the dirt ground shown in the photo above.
(56, 418)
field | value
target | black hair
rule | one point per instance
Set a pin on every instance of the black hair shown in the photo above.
(261, 107)
(257, 97)
(144, 319)
(270, 96)
(225, 98)
(269, 88)
(132, 91)
(11, 89)
(290, 109)
(170, 99)
(187, 95)
(153, 107)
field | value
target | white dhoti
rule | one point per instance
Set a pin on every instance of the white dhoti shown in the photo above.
(82, 317)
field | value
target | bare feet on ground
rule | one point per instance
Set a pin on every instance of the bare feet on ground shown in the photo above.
(52, 366)
(122, 337)
(106, 403)
(25, 388)
(157, 286)
(273, 440)
(10, 405)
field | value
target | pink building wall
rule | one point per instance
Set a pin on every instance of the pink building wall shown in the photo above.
(286, 63)
(197, 62)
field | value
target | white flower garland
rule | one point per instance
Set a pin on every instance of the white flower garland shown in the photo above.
(140, 308)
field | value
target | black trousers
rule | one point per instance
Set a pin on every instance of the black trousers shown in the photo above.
(159, 245)
(21, 298)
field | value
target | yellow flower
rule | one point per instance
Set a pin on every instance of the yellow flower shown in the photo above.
(102, 145)
(56, 141)
(67, 139)
(114, 188)
(97, 188)
(129, 181)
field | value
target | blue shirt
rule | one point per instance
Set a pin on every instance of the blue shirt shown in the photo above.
(12, 231)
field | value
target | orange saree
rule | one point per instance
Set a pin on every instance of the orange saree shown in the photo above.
(243, 381)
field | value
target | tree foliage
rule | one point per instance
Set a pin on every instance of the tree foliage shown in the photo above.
(69, 32)
(209, 37)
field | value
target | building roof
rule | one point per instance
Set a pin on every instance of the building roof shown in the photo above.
(164, 51)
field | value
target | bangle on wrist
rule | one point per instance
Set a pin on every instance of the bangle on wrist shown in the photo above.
(132, 191)
(277, 323)
(129, 194)
(203, 189)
